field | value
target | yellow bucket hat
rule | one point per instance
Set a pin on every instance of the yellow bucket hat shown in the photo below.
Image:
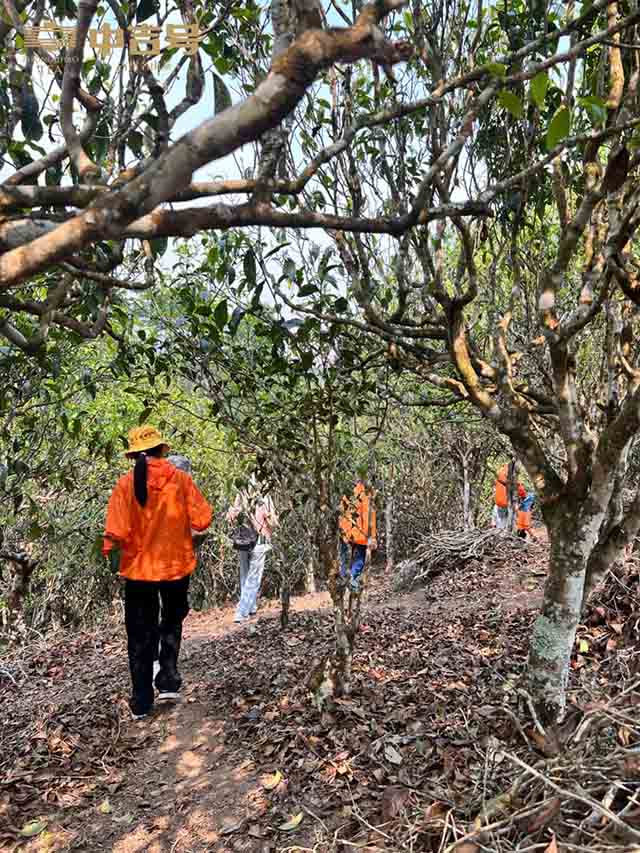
(144, 438)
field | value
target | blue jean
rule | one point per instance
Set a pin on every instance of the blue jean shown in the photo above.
(357, 554)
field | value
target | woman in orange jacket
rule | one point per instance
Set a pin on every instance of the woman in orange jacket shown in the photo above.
(150, 518)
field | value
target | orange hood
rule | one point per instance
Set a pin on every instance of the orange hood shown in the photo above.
(159, 473)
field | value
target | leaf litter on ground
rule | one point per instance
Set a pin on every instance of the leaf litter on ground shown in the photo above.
(416, 758)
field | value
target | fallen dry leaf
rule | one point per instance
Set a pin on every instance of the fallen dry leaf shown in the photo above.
(293, 823)
(394, 801)
(553, 847)
(271, 782)
(230, 825)
(392, 754)
(436, 811)
(105, 807)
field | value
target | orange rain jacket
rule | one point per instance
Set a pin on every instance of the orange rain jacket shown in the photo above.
(502, 484)
(155, 539)
(356, 526)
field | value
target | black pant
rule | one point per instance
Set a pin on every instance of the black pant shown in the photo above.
(145, 630)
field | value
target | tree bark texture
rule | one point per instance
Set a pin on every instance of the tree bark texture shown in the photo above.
(573, 529)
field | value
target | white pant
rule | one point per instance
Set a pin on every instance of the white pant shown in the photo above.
(500, 517)
(251, 571)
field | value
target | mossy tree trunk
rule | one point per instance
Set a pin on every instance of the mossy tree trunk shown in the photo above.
(554, 631)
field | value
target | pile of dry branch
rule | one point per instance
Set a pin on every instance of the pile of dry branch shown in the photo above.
(587, 798)
(451, 549)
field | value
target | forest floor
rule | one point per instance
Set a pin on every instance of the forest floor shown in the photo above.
(422, 757)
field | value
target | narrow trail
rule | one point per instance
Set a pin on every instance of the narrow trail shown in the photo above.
(189, 778)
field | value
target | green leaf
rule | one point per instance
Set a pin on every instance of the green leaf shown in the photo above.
(496, 69)
(66, 9)
(144, 414)
(249, 266)
(31, 125)
(146, 8)
(307, 290)
(53, 176)
(538, 89)
(596, 109)
(512, 103)
(150, 119)
(33, 828)
(134, 141)
(221, 314)
(558, 128)
(222, 98)
(35, 531)
(159, 246)
(236, 317)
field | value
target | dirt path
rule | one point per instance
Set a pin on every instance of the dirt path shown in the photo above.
(189, 779)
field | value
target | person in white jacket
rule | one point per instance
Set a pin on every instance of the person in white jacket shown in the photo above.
(256, 505)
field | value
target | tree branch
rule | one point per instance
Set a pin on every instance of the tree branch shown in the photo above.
(272, 100)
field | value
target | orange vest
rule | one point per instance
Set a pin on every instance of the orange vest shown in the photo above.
(357, 524)
(155, 540)
(502, 482)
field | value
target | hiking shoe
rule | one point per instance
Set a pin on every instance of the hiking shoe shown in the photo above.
(168, 696)
(138, 711)
(140, 716)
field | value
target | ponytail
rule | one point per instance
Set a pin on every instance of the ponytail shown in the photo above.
(140, 479)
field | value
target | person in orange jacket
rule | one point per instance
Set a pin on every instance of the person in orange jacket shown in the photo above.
(357, 532)
(501, 509)
(150, 518)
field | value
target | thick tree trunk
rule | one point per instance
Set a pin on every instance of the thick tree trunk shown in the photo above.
(571, 542)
